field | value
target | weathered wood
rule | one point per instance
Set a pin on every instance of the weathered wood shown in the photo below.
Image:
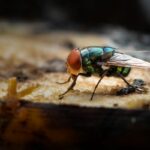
(33, 59)
(40, 126)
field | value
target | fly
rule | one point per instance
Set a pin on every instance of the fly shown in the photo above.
(103, 61)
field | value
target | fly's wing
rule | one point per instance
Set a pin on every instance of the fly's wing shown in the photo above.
(141, 54)
(124, 60)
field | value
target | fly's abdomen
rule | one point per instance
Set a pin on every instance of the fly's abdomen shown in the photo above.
(114, 70)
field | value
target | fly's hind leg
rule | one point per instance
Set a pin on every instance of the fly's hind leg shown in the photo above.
(136, 86)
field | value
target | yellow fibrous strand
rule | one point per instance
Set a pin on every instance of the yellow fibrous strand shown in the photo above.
(12, 93)
(12, 88)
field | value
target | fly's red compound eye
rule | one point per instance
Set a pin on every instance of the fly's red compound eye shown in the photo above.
(74, 59)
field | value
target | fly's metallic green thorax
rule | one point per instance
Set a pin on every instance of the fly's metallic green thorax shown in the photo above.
(93, 57)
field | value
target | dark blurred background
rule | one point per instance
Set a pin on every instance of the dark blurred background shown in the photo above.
(86, 14)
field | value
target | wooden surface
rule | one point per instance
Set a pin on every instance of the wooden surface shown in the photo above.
(40, 120)
(37, 125)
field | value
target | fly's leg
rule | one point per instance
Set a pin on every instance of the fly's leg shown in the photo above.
(122, 77)
(73, 83)
(129, 89)
(135, 87)
(102, 76)
(70, 87)
(81, 74)
(68, 80)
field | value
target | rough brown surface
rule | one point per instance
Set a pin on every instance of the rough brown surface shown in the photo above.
(35, 59)
(32, 116)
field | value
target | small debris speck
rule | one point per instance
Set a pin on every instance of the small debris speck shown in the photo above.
(133, 120)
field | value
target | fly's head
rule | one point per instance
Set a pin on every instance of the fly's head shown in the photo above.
(74, 62)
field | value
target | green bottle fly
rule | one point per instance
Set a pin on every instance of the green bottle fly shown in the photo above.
(93, 59)
(103, 61)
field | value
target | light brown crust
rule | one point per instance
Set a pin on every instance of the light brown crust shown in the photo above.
(30, 55)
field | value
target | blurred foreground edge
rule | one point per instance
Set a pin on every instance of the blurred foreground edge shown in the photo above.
(42, 126)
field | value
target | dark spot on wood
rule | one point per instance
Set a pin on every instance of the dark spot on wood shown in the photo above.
(21, 77)
(133, 120)
(24, 123)
(146, 106)
(138, 82)
(115, 105)
(24, 66)
(69, 44)
(25, 72)
(54, 65)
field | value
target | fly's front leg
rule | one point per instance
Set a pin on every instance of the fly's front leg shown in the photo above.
(81, 74)
(73, 83)
(70, 87)
(68, 80)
